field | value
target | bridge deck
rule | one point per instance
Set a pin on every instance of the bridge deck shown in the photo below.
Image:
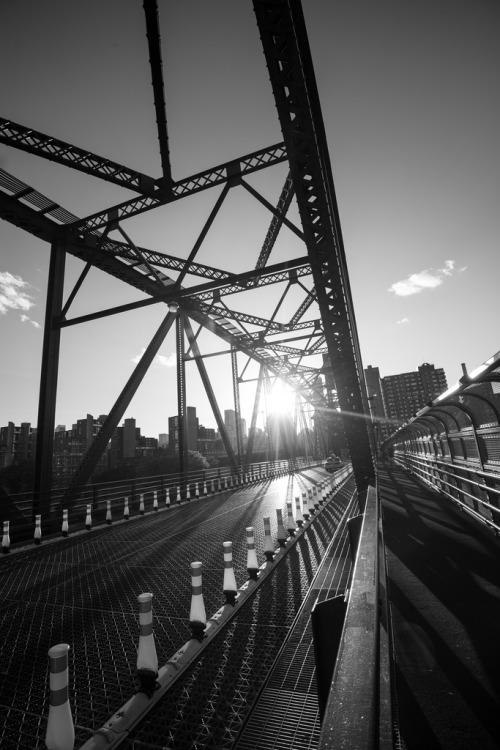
(83, 591)
(444, 588)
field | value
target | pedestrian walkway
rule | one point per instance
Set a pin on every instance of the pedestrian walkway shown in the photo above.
(444, 589)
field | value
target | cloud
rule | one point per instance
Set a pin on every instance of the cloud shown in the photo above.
(403, 320)
(427, 279)
(26, 319)
(160, 359)
(13, 294)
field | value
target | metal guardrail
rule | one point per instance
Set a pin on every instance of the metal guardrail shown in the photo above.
(359, 709)
(142, 495)
(475, 491)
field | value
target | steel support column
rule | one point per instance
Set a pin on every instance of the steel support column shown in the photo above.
(181, 396)
(237, 409)
(48, 381)
(253, 425)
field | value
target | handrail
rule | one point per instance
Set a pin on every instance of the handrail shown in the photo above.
(355, 717)
(433, 472)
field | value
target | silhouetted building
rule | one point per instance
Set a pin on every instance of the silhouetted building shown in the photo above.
(190, 429)
(17, 444)
(71, 445)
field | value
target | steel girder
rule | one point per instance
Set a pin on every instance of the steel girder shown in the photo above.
(286, 48)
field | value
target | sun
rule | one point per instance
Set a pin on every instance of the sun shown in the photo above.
(281, 399)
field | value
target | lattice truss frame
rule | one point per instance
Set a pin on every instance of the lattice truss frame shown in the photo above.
(321, 271)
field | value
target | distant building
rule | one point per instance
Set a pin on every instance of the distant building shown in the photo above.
(207, 441)
(230, 424)
(17, 444)
(376, 403)
(163, 440)
(190, 430)
(71, 445)
(407, 393)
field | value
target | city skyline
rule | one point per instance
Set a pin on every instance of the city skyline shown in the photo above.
(411, 114)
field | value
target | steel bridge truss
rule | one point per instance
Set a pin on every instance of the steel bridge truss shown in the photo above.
(323, 322)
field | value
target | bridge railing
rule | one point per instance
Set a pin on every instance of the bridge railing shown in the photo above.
(134, 496)
(358, 711)
(475, 491)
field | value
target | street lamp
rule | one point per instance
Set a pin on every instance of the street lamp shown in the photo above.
(173, 307)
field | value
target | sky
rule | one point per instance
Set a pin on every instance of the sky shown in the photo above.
(412, 116)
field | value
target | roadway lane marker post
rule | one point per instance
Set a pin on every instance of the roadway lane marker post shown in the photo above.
(141, 504)
(65, 525)
(290, 518)
(88, 518)
(147, 659)
(298, 512)
(188, 492)
(252, 562)
(197, 490)
(314, 497)
(126, 511)
(37, 537)
(282, 535)
(60, 734)
(310, 503)
(229, 588)
(179, 495)
(197, 613)
(109, 519)
(306, 511)
(167, 497)
(268, 542)
(6, 538)
(155, 500)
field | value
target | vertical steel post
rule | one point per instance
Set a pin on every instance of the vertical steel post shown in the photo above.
(236, 391)
(42, 483)
(181, 397)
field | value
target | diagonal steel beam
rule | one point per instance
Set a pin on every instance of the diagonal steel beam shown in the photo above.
(155, 61)
(32, 141)
(228, 171)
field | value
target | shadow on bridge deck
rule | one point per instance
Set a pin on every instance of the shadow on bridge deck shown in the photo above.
(444, 589)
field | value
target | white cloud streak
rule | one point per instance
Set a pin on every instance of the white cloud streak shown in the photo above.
(159, 360)
(402, 321)
(13, 294)
(428, 279)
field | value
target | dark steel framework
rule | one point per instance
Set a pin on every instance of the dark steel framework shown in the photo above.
(321, 271)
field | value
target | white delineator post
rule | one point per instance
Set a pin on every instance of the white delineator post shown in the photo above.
(229, 588)
(252, 562)
(6, 538)
(37, 537)
(65, 525)
(268, 541)
(126, 511)
(147, 659)
(290, 519)
(88, 518)
(155, 500)
(60, 734)
(299, 518)
(141, 504)
(109, 518)
(197, 614)
(282, 535)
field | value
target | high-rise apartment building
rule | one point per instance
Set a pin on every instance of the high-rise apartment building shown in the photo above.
(71, 445)
(17, 444)
(190, 428)
(407, 393)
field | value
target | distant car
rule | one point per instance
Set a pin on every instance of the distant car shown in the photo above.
(332, 463)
